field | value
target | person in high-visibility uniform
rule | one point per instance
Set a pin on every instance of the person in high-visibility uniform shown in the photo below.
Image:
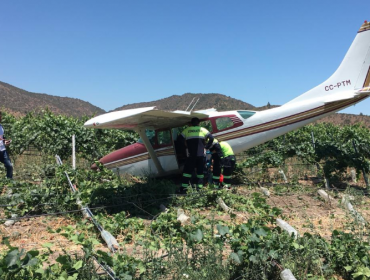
(197, 140)
(223, 163)
(217, 154)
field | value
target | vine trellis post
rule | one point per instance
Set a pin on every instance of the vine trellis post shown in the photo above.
(326, 180)
(74, 151)
(363, 169)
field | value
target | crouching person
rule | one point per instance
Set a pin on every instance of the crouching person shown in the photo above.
(228, 162)
(223, 163)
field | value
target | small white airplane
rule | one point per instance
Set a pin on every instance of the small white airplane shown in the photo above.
(158, 151)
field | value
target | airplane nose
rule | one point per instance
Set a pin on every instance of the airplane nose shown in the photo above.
(90, 123)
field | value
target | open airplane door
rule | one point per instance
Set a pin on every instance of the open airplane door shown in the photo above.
(151, 151)
(160, 155)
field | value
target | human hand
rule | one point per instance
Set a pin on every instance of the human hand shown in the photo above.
(7, 142)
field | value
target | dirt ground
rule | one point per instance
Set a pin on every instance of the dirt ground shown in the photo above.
(34, 234)
(302, 208)
(310, 213)
(305, 210)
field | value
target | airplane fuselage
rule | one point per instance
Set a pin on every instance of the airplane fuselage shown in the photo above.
(163, 154)
(244, 133)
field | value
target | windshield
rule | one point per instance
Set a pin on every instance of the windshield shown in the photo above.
(246, 114)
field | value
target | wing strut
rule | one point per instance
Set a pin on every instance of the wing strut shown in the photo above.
(151, 152)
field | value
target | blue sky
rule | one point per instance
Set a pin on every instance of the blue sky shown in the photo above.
(113, 53)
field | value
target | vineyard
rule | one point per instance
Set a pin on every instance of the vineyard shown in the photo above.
(299, 204)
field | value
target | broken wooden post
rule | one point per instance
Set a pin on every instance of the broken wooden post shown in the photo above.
(325, 196)
(283, 175)
(287, 227)
(349, 207)
(287, 274)
(353, 176)
(222, 204)
(181, 216)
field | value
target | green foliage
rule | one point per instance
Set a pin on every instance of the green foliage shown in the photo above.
(333, 149)
(350, 256)
(18, 264)
(257, 252)
(201, 248)
(52, 134)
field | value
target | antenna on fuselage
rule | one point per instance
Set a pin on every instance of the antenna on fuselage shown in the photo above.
(190, 104)
(194, 105)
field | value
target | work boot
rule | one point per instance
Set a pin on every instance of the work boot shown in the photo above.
(216, 186)
(182, 190)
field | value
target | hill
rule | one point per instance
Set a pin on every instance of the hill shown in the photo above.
(181, 102)
(19, 102)
(346, 119)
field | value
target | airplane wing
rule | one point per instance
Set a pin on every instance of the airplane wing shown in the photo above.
(148, 117)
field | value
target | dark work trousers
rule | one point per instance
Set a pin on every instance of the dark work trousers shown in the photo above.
(192, 163)
(4, 158)
(229, 165)
(216, 169)
(217, 164)
(222, 165)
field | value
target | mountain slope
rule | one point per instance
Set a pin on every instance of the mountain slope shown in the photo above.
(19, 102)
(181, 102)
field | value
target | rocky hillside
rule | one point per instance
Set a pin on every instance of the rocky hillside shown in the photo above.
(346, 119)
(19, 102)
(181, 102)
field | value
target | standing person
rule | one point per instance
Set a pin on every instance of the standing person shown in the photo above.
(223, 163)
(4, 157)
(197, 139)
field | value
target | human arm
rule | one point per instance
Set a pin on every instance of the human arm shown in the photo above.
(6, 141)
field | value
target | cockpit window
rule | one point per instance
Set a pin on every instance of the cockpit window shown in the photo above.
(164, 137)
(151, 136)
(246, 114)
(224, 122)
(206, 124)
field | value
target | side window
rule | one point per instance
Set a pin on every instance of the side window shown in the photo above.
(223, 123)
(207, 125)
(164, 137)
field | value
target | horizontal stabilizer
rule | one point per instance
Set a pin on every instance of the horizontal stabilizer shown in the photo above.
(364, 91)
(348, 95)
(344, 95)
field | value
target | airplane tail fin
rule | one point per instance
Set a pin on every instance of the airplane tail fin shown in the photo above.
(352, 75)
